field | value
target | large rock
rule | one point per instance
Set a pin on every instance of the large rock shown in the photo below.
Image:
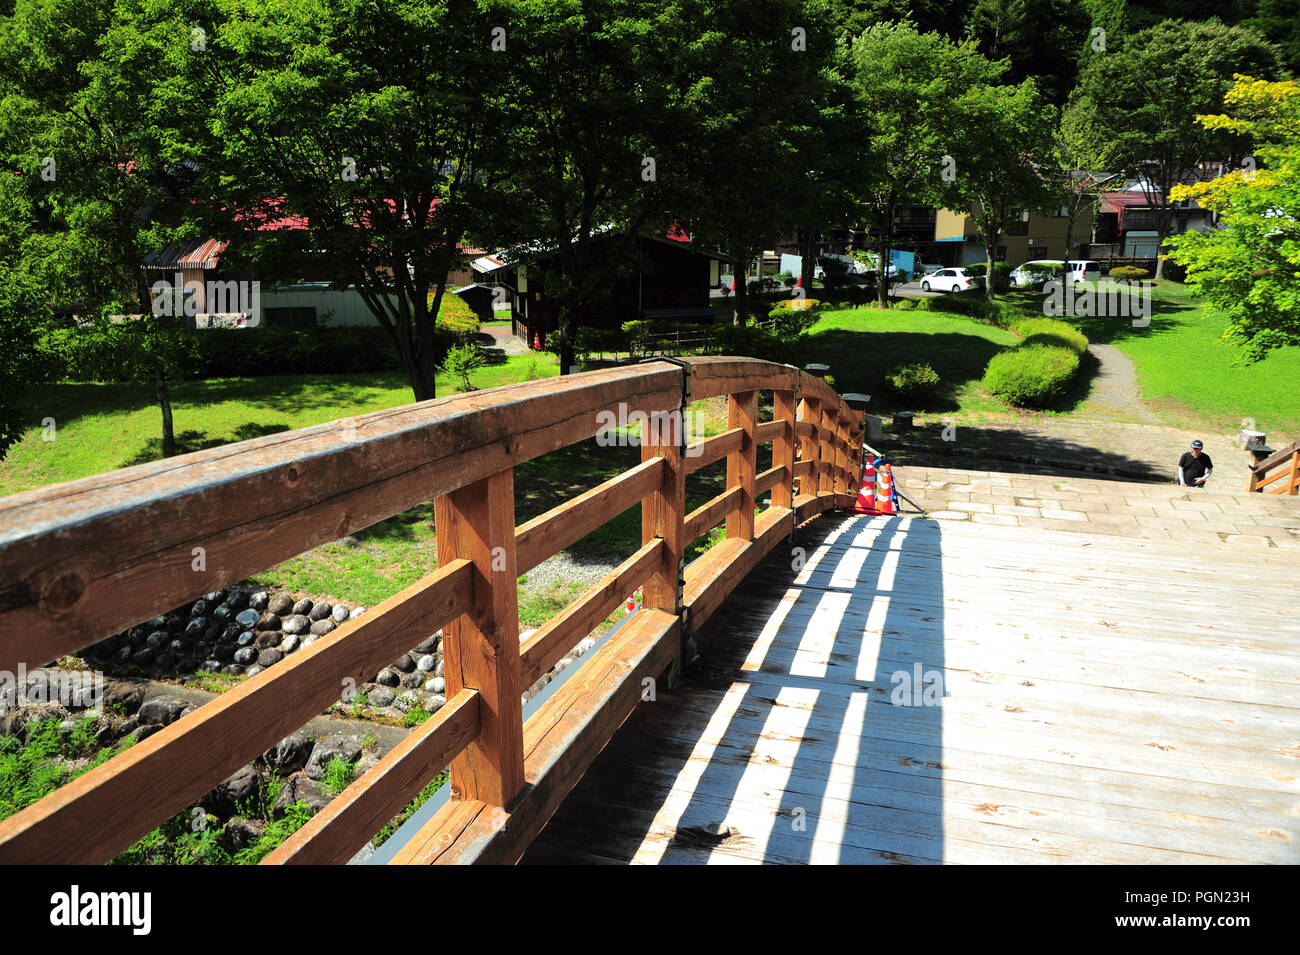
(268, 621)
(295, 624)
(200, 608)
(319, 610)
(322, 627)
(303, 607)
(430, 644)
(289, 644)
(258, 600)
(124, 696)
(246, 656)
(347, 748)
(280, 604)
(291, 753)
(381, 696)
(269, 657)
(237, 600)
(339, 613)
(426, 663)
(388, 677)
(247, 618)
(240, 788)
(404, 663)
(356, 612)
(413, 680)
(267, 639)
(239, 834)
(162, 710)
(300, 788)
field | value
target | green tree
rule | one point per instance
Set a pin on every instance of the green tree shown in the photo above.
(903, 83)
(1148, 94)
(1249, 266)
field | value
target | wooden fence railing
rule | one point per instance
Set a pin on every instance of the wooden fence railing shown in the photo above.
(1285, 465)
(86, 559)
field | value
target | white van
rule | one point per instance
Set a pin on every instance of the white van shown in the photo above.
(1085, 270)
(1024, 276)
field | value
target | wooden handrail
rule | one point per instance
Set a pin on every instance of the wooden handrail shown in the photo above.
(76, 567)
(1288, 457)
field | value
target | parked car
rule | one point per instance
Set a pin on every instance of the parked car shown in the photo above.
(1085, 270)
(1024, 276)
(948, 280)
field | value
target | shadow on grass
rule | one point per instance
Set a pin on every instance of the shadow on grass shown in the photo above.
(189, 441)
(860, 360)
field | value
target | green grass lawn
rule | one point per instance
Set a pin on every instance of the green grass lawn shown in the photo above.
(862, 344)
(1193, 379)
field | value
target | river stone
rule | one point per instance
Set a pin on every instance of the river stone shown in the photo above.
(200, 608)
(157, 639)
(231, 633)
(161, 710)
(413, 680)
(157, 623)
(147, 730)
(339, 613)
(404, 663)
(322, 627)
(346, 748)
(237, 600)
(269, 657)
(254, 670)
(123, 656)
(381, 696)
(216, 597)
(438, 671)
(356, 612)
(176, 646)
(245, 639)
(142, 657)
(246, 655)
(388, 677)
(426, 663)
(289, 644)
(247, 618)
(268, 639)
(234, 669)
(303, 606)
(212, 665)
(268, 621)
(258, 600)
(213, 631)
(295, 624)
(280, 604)
(436, 685)
(239, 788)
(105, 649)
(430, 644)
(125, 696)
(222, 614)
(239, 834)
(319, 610)
(308, 641)
(300, 788)
(291, 753)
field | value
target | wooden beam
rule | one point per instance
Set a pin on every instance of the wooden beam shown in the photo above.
(100, 814)
(663, 510)
(549, 533)
(808, 431)
(86, 559)
(702, 453)
(783, 447)
(336, 833)
(561, 633)
(742, 464)
(714, 376)
(826, 450)
(708, 515)
(481, 648)
(770, 479)
(773, 430)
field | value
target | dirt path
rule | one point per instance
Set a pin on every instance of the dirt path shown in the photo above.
(1115, 392)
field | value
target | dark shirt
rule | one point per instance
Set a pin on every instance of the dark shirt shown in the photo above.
(1193, 466)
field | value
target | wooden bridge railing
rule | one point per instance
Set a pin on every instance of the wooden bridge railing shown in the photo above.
(1285, 465)
(86, 559)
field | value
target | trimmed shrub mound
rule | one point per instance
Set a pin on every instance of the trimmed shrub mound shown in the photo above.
(1032, 375)
(1049, 331)
(914, 382)
(1128, 273)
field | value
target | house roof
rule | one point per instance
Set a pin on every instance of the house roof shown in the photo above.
(196, 254)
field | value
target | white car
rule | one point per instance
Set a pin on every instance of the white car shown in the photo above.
(1085, 271)
(1022, 276)
(948, 280)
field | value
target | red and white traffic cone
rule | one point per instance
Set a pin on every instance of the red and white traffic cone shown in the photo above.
(633, 602)
(537, 342)
(885, 490)
(866, 503)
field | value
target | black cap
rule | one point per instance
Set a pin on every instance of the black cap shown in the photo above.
(1197, 444)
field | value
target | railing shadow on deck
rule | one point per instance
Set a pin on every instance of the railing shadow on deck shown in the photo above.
(83, 560)
(810, 732)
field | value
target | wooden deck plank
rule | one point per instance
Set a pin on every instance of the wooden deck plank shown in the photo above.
(1134, 708)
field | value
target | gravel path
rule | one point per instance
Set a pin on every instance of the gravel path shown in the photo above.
(1115, 392)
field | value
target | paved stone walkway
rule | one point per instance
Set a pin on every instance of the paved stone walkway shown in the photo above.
(1093, 506)
(1115, 392)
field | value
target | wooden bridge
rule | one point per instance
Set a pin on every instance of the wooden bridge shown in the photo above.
(813, 688)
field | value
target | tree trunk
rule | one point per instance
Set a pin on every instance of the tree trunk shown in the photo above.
(165, 405)
(990, 251)
(741, 292)
(882, 260)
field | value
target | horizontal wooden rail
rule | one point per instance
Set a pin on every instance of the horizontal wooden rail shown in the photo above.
(544, 648)
(702, 453)
(1287, 461)
(153, 780)
(549, 533)
(83, 560)
(336, 833)
(708, 515)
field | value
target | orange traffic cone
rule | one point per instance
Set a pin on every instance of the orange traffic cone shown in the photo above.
(633, 602)
(537, 342)
(885, 490)
(866, 503)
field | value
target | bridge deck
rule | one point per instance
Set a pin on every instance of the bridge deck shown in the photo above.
(1103, 700)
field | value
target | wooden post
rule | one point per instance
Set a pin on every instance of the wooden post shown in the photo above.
(826, 450)
(481, 647)
(810, 413)
(1293, 482)
(664, 510)
(783, 448)
(742, 465)
(841, 454)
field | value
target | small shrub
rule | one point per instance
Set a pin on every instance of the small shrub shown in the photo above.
(339, 775)
(905, 304)
(1039, 275)
(1031, 375)
(1129, 273)
(461, 360)
(972, 304)
(1050, 331)
(1001, 275)
(914, 382)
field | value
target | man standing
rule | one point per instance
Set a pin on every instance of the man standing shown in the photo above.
(1194, 467)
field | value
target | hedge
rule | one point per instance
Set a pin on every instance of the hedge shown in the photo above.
(1049, 331)
(1033, 374)
(1001, 274)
